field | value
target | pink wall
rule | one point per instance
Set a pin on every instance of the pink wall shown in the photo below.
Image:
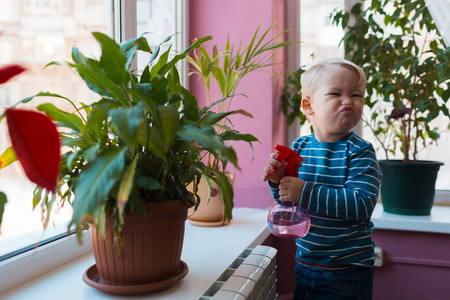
(239, 19)
(416, 265)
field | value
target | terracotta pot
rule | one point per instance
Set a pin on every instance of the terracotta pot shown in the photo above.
(209, 213)
(150, 248)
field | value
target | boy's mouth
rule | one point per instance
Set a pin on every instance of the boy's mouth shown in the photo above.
(348, 109)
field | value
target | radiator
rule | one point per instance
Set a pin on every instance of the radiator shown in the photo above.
(251, 276)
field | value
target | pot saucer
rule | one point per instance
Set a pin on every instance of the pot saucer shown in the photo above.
(91, 278)
(208, 224)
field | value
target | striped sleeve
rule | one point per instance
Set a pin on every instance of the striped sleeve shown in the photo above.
(356, 199)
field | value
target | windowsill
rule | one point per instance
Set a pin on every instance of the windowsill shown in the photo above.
(438, 221)
(207, 251)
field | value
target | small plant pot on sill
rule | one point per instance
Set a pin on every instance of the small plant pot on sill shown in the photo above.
(408, 188)
(209, 213)
(147, 257)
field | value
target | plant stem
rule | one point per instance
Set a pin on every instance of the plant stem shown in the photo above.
(405, 140)
(377, 138)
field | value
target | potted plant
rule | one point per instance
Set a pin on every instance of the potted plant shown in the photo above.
(128, 158)
(221, 73)
(406, 64)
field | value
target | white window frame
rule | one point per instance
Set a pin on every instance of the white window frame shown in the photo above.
(27, 265)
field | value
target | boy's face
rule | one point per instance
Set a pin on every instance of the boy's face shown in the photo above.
(336, 105)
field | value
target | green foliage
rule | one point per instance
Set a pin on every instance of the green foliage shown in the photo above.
(397, 44)
(226, 69)
(406, 64)
(141, 141)
(291, 99)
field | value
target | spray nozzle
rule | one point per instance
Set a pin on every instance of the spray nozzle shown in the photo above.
(292, 159)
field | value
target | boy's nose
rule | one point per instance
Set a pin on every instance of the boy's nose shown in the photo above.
(346, 100)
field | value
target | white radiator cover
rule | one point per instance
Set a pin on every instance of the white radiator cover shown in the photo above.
(251, 276)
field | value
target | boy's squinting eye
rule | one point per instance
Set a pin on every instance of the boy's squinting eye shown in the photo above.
(358, 95)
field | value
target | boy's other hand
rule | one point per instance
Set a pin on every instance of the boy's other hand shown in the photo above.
(291, 188)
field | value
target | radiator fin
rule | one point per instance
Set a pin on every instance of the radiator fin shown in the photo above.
(251, 276)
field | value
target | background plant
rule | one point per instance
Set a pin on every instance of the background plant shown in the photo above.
(406, 64)
(225, 70)
(397, 44)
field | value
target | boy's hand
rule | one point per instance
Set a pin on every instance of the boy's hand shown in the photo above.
(291, 188)
(275, 170)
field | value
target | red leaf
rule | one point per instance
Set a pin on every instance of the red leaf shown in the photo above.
(36, 142)
(9, 71)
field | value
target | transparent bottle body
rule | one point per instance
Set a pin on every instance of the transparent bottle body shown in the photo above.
(288, 220)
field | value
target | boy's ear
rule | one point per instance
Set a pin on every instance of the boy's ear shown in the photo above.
(306, 106)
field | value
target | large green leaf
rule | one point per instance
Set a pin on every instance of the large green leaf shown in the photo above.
(149, 183)
(155, 143)
(170, 120)
(143, 93)
(174, 81)
(162, 61)
(212, 118)
(157, 49)
(159, 89)
(96, 182)
(113, 60)
(190, 105)
(43, 94)
(208, 138)
(126, 122)
(226, 191)
(64, 119)
(98, 116)
(129, 48)
(233, 135)
(96, 79)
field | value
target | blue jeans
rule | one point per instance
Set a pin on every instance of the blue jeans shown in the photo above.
(315, 284)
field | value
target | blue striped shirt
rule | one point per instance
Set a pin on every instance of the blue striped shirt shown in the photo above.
(342, 181)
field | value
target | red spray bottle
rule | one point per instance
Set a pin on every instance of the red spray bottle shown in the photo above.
(288, 219)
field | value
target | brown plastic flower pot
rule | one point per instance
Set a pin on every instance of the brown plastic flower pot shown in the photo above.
(147, 257)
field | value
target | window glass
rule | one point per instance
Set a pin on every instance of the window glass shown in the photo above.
(32, 34)
(158, 19)
(320, 38)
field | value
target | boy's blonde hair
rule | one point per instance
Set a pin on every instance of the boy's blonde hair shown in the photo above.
(310, 80)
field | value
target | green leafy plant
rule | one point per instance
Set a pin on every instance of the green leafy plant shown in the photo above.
(397, 44)
(225, 70)
(291, 98)
(406, 64)
(140, 141)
